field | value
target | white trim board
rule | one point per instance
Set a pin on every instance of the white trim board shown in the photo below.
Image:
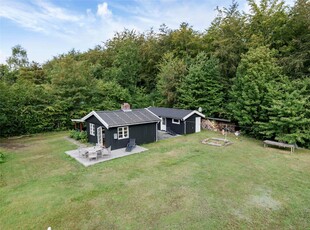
(93, 113)
(190, 114)
(175, 121)
(77, 120)
(152, 113)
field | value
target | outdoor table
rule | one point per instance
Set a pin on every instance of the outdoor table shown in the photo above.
(92, 152)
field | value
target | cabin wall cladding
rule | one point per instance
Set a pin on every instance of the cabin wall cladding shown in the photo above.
(177, 128)
(144, 133)
(97, 123)
(191, 124)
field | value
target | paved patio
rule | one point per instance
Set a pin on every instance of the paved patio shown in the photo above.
(113, 155)
(162, 135)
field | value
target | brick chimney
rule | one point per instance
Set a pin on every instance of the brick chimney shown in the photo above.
(125, 107)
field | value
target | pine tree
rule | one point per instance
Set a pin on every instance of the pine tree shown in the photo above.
(256, 74)
(288, 115)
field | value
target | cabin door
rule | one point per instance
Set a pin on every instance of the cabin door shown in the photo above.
(99, 136)
(163, 124)
(197, 124)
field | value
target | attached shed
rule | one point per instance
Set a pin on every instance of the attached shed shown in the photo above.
(115, 128)
(180, 121)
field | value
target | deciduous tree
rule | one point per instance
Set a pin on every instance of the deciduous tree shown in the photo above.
(202, 87)
(171, 73)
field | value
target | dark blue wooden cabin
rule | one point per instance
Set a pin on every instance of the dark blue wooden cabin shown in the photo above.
(180, 121)
(115, 128)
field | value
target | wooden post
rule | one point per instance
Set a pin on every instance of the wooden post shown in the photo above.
(81, 126)
(75, 126)
(226, 131)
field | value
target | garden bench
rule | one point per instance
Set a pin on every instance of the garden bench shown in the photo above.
(279, 144)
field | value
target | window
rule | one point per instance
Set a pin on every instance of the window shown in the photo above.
(163, 121)
(175, 121)
(123, 132)
(91, 129)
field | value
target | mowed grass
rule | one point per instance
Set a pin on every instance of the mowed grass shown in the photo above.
(178, 184)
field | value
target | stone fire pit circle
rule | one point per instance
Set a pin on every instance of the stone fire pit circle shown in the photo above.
(219, 142)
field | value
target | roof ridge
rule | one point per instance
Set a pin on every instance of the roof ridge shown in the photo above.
(118, 110)
(115, 118)
(174, 113)
(187, 110)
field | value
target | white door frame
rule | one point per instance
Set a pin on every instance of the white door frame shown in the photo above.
(197, 124)
(163, 124)
(99, 136)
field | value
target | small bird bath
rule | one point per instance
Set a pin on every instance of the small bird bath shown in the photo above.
(219, 142)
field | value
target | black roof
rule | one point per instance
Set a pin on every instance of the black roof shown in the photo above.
(120, 118)
(172, 113)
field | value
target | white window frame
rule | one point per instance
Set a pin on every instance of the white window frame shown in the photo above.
(92, 129)
(121, 131)
(164, 120)
(175, 121)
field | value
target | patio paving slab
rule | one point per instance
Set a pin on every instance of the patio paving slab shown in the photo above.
(162, 135)
(113, 155)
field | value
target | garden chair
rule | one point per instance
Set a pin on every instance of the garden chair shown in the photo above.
(131, 145)
(83, 152)
(92, 156)
(106, 151)
(99, 153)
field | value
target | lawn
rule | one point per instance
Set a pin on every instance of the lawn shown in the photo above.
(178, 184)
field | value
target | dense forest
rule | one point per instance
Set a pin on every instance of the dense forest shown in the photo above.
(252, 68)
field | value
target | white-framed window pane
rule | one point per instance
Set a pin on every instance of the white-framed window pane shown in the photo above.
(175, 121)
(91, 129)
(120, 132)
(126, 132)
(123, 132)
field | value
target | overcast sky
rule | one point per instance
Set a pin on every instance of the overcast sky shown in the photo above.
(48, 28)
